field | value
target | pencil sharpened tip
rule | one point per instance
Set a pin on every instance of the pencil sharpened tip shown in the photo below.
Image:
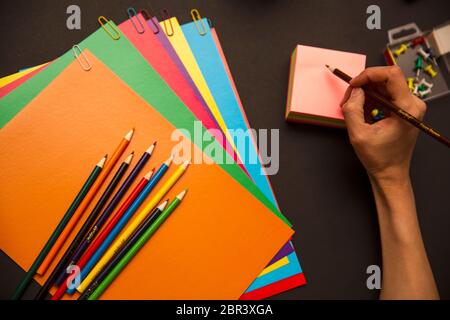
(101, 163)
(129, 135)
(163, 205)
(129, 158)
(182, 194)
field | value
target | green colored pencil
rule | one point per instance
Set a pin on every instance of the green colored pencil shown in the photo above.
(136, 247)
(61, 225)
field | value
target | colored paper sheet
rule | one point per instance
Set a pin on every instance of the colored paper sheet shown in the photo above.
(314, 93)
(287, 271)
(192, 254)
(148, 44)
(24, 76)
(278, 264)
(151, 48)
(8, 79)
(209, 60)
(134, 71)
(16, 101)
(275, 288)
(123, 59)
(288, 248)
(181, 47)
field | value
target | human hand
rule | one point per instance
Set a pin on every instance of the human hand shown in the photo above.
(385, 148)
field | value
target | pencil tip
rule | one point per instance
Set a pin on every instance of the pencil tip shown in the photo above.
(149, 174)
(169, 161)
(163, 205)
(181, 195)
(129, 158)
(151, 148)
(129, 135)
(186, 164)
(102, 161)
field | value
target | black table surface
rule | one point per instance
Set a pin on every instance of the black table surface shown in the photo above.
(321, 186)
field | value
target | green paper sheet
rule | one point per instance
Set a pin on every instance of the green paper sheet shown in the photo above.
(127, 63)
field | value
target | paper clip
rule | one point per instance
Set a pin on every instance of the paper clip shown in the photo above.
(84, 62)
(133, 14)
(166, 16)
(115, 35)
(147, 16)
(198, 22)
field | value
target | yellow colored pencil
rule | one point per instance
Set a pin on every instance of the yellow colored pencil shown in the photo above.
(126, 233)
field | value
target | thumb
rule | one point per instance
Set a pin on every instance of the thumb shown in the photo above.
(353, 109)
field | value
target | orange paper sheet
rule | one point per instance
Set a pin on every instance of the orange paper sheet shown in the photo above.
(49, 148)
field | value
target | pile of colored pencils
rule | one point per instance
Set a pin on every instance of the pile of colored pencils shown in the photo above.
(97, 253)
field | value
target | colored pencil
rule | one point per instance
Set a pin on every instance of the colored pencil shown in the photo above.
(136, 247)
(74, 253)
(63, 262)
(402, 114)
(125, 248)
(59, 228)
(86, 201)
(126, 233)
(94, 252)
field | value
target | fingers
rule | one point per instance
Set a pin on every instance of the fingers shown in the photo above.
(390, 81)
(353, 110)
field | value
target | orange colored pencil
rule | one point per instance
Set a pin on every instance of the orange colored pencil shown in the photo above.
(85, 203)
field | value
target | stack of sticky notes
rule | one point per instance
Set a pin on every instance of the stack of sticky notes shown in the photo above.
(314, 93)
(172, 83)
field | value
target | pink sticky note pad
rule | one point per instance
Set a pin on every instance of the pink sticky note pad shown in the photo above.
(314, 92)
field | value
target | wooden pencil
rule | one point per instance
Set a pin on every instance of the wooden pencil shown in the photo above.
(100, 244)
(146, 235)
(71, 257)
(63, 262)
(125, 248)
(86, 201)
(59, 228)
(126, 233)
(394, 108)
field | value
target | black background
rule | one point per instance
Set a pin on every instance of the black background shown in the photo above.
(321, 186)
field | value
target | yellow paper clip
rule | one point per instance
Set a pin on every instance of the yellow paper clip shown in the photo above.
(81, 58)
(166, 16)
(147, 16)
(198, 22)
(133, 14)
(115, 34)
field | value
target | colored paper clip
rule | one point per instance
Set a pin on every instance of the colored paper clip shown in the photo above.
(81, 58)
(198, 22)
(166, 16)
(115, 34)
(133, 14)
(147, 16)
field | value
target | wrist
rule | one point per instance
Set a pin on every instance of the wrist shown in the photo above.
(390, 178)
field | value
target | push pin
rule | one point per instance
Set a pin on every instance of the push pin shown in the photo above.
(415, 42)
(418, 67)
(410, 84)
(416, 90)
(424, 93)
(432, 55)
(425, 83)
(429, 69)
(423, 54)
(401, 50)
(377, 115)
(422, 87)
